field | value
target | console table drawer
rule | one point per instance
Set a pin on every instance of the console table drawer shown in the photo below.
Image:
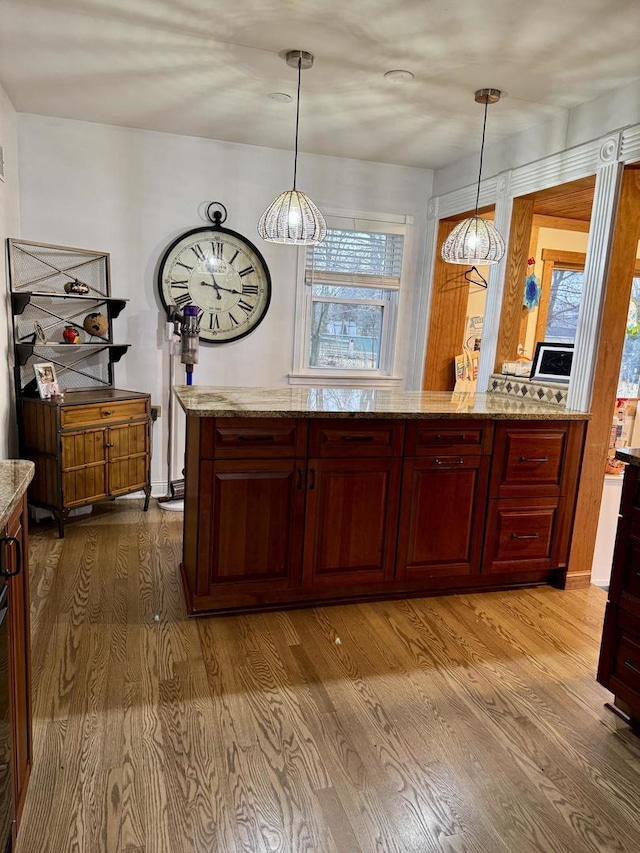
(103, 413)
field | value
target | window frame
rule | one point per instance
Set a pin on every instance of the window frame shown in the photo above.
(303, 373)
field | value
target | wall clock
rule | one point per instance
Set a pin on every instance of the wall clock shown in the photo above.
(220, 272)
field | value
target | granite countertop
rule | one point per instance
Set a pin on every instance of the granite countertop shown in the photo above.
(203, 401)
(629, 454)
(15, 476)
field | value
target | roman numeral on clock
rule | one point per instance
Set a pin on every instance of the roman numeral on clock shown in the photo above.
(217, 247)
(234, 322)
(214, 323)
(245, 306)
(250, 289)
(183, 299)
(246, 271)
(186, 266)
(198, 252)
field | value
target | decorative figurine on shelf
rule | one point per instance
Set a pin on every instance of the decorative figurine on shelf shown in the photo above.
(76, 287)
(71, 335)
(96, 324)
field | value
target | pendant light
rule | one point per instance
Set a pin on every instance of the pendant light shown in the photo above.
(476, 240)
(293, 217)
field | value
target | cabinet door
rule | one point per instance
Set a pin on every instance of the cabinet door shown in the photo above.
(20, 655)
(351, 520)
(84, 467)
(250, 525)
(625, 573)
(442, 516)
(128, 447)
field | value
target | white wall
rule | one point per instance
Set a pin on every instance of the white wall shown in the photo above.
(9, 227)
(131, 192)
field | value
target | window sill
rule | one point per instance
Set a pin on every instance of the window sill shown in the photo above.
(357, 380)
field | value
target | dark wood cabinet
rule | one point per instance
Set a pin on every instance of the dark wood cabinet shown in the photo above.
(15, 566)
(442, 516)
(292, 511)
(350, 520)
(91, 446)
(619, 664)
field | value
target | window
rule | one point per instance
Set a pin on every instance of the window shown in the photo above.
(564, 303)
(629, 378)
(350, 296)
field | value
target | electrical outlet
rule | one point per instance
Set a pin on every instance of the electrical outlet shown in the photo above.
(156, 411)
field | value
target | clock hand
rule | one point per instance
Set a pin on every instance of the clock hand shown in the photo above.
(216, 287)
(220, 287)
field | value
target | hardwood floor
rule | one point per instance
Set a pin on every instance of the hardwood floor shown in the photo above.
(466, 723)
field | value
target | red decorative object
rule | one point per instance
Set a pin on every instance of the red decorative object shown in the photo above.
(71, 335)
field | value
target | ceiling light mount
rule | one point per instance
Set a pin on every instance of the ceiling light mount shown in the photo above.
(293, 57)
(293, 217)
(476, 240)
(487, 96)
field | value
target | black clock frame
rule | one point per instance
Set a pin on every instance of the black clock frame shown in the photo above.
(219, 229)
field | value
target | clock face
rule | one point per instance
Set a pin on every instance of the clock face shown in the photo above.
(223, 275)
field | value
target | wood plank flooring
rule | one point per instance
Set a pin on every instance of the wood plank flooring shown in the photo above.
(466, 723)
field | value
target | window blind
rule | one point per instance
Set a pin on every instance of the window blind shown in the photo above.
(357, 259)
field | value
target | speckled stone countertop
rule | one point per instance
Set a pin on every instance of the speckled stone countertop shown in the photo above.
(203, 401)
(15, 476)
(629, 454)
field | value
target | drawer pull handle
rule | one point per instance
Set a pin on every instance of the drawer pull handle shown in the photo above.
(256, 437)
(12, 540)
(525, 535)
(450, 437)
(108, 445)
(448, 461)
(631, 664)
(534, 458)
(357, 438)
(312, 484)
(106, 413)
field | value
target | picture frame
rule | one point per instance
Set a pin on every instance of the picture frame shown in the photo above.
(552, 362)
(46, 380)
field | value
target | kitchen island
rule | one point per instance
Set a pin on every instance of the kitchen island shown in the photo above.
(303, 496)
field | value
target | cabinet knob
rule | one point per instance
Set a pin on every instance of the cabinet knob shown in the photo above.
(108, 445)
(107, 412)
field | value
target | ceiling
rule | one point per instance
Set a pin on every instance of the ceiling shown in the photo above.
(573, 200)
(206, 68)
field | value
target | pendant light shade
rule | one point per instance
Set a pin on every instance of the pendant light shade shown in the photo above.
(473, 241)
(293, 218)
(476, 240)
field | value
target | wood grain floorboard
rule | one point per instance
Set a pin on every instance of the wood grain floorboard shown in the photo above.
(462, 724)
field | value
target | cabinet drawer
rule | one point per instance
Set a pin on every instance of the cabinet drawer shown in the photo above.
(348, 439)
(252, 438)
(520, 535)
(630, 502)
(103, 413)
(619, 666)
(528, 460)
(625, 573)
(427, 438)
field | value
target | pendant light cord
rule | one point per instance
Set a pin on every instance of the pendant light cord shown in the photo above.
(484, 127)
(295, 159)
